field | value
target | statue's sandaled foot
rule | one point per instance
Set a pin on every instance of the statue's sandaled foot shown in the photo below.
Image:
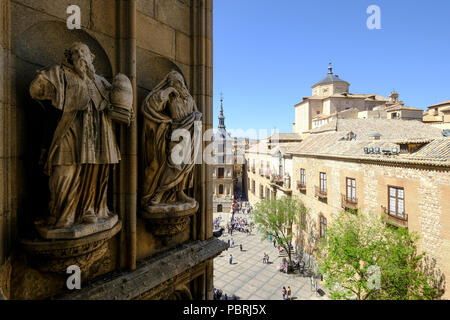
(90, 217)
(156, 200)
(182, 197)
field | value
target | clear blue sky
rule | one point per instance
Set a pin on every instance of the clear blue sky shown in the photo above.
(268, 54)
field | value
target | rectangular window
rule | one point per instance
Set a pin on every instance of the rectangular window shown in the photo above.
(303, 177)
(261, 191)
(323, 182)
(323, 226)
(397, 202)
(221, 173)
(351, 189)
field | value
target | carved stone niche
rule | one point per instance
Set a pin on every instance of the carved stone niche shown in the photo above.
(57, 256)
(72, 222)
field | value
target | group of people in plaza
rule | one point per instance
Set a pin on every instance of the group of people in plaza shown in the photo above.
(240, 222)
(217, 222)
(283, 266)
(219, 295)
(240, 205)
(286, 293)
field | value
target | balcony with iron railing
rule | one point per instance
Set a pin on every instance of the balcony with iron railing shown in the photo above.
(320, 193)
(301, 186)
(278, 180)
(349, 202)
(395, 220)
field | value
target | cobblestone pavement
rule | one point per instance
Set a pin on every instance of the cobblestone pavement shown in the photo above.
(250, 279)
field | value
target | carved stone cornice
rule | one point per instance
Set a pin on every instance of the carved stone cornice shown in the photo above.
(167, 269)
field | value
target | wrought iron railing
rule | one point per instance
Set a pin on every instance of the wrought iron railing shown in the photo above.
(395, 220)
(349, 202)
(301, 186)
(320, 193)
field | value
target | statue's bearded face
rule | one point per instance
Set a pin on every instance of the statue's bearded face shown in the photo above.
(176, 81)
(82, 59)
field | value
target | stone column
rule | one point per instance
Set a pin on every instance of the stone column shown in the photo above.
(7, 215)
(5, 132)
(209, 280)
(202, 92)
(125, 182)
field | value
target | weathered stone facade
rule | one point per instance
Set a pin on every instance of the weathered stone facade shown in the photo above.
(143, 39)
(427, 190)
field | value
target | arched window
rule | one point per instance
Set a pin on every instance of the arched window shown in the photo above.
(219, 208)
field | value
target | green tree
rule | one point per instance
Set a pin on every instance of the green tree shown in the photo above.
(363, 258)
(276, 218)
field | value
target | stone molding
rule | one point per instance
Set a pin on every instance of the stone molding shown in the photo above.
(166, 269)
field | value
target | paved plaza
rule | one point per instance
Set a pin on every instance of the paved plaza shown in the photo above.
(250, 279)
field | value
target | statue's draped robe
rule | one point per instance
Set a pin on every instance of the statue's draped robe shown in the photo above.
(82, 149)
(162, 177)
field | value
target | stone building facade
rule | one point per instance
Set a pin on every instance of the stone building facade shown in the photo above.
(143, 39)
(342, 166)
(269, 167)
(438, 115)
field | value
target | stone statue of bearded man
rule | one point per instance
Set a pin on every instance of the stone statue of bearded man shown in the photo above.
(167, 108)
(83, 147)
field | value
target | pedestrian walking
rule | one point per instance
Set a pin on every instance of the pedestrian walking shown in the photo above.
(289, 293)
(283, 293)
(264, 258)
(240, 246)
(231, 259)
(232, 243)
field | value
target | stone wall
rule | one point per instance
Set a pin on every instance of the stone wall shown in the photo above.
(427, 191)
(170, 35)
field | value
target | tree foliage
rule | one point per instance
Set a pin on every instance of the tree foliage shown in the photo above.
(276, 218)
(363, 258)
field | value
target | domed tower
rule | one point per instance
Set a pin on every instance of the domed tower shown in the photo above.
(330, 85)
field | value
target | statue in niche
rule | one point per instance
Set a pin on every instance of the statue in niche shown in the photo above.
(167, 108)
(84, 145)
(287, 181)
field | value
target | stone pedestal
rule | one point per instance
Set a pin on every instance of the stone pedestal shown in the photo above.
(166, 220)
(77, 231)
(56, 255)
